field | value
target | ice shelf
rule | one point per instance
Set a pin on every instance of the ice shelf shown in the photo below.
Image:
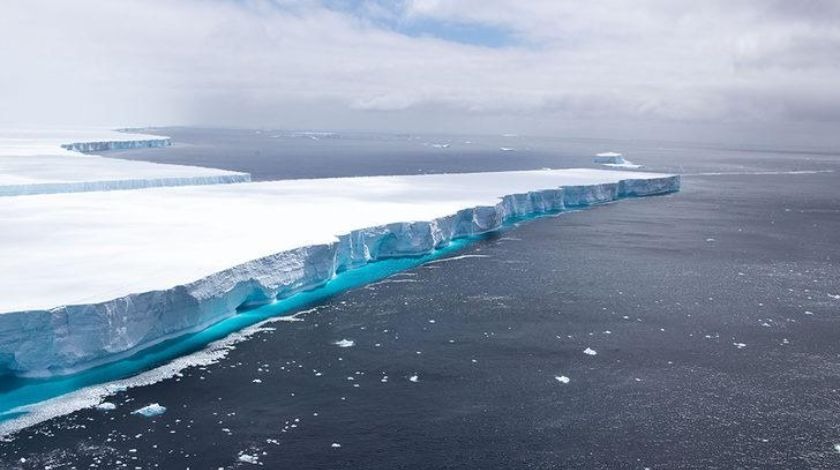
(45, 162)
(87, 277)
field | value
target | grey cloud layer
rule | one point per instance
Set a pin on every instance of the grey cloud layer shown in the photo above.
(257, 62)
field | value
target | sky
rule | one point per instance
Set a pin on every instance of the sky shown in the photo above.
(712, 70)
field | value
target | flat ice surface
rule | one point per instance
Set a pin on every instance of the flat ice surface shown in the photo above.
(81, 248)
(34, 162)
(25, 142)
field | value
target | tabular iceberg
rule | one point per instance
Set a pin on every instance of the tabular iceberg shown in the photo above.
(614, 160)
(128, 269)
(44, 163)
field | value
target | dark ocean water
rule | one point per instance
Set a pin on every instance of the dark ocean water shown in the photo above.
(714, 314)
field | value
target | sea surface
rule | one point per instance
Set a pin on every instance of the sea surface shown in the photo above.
(695, 330)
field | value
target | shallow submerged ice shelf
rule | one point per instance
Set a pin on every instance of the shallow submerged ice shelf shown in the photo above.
(89, 277)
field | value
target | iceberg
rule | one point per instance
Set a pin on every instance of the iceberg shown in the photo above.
(46, 162)
(92, 277)
(609, 157)
(615, 160)
(150, 411)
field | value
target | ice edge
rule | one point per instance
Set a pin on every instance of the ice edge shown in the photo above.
(126, 184)
(72, 338)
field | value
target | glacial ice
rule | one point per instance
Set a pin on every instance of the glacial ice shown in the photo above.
(91, 277)
(249, 459)
(150, 411)
(614, 160)
(45, 163)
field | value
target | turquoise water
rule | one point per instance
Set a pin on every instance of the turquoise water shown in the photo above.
(17, 392)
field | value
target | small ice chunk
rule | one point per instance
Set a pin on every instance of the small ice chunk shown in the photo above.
(590, 352)
(257, 381)
(739, 345)
(150, 411)
(248, 458)
(562, 379)
(106, 406)
(345, 343)
(414, 378)
(335, 445)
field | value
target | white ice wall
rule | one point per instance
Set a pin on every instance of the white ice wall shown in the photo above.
(53, 335)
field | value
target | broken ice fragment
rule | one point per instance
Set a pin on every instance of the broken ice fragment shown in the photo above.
(150, 411)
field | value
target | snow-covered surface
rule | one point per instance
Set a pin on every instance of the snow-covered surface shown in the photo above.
(88, 276)
(29, 142)
(42, 162)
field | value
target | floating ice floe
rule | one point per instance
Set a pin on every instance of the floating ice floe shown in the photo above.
(249, 458)
(590, 352)
(106, 406)
(562, 379)
(345, 343)
(739, 345)
(414, 378)
(335, 445)
(150, 411)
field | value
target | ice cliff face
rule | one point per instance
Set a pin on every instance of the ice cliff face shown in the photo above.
(120, 184)
(71, 338)
(101, 146)
(611, 158)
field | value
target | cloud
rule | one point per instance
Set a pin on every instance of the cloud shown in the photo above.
(297, 63)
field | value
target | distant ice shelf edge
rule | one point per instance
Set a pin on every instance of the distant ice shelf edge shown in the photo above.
(119, 184)
(102, 146)
(72, 338)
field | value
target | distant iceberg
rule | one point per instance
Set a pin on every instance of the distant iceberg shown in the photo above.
(615, 160)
